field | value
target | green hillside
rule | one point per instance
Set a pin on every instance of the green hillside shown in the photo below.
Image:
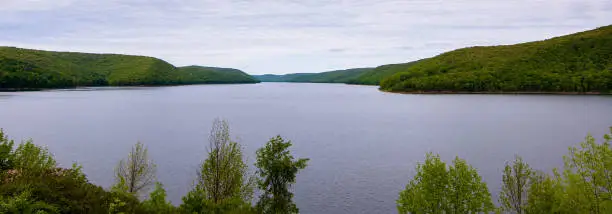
(374, 76)
(580, 62)
(35, 69)
(338, 76)
(212, 75)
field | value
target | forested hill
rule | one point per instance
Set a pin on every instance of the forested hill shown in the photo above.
(374, 76)
(580, 62)
(213, 75)
(338, 76)
(35, 69)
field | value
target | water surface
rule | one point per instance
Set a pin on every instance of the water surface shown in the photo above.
(363, 143)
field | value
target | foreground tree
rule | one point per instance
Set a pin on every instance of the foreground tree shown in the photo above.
(437, 188)
(425, 192)
(157, 204)
(23, 203)
(135, 174)
(6, 152)
(277, 169)
(467, 193)
(516, 181)
(542, 195)
(30, 159)
(224, 183)
(587, 177)
(32, 183)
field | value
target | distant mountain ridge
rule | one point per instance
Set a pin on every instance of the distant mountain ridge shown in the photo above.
(337, 76)
(357, 76)
(36, 69)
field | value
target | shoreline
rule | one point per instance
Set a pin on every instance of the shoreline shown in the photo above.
(381, 90)
(113, 86)
(497, 92)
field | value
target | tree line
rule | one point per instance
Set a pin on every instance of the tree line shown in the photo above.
(584, 185)
(32, 182)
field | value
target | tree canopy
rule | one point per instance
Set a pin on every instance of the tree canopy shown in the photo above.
(224, 183)
(438, 188)
(33, 183)
(137, 173)
(277, 170)
(515, 186)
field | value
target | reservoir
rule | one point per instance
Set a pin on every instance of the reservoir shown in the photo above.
(363, 144)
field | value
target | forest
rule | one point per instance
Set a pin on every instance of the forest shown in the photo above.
(212, 75)
(32, 182)
(25, 69)
(376, 75)
(580, 62)
(337, 76)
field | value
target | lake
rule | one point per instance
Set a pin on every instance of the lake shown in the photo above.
(363, 144)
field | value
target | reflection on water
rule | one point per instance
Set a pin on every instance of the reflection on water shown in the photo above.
(109, 88)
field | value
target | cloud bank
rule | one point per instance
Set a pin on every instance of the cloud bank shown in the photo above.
(289, 36)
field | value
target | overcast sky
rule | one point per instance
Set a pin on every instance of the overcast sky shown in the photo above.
(288, 36)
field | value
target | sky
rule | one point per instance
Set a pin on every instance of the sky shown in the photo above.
(289, 36)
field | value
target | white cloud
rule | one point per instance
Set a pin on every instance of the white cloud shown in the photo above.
(32, 5)
(290, 36)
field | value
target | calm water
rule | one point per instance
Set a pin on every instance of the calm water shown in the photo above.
(363, 144)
